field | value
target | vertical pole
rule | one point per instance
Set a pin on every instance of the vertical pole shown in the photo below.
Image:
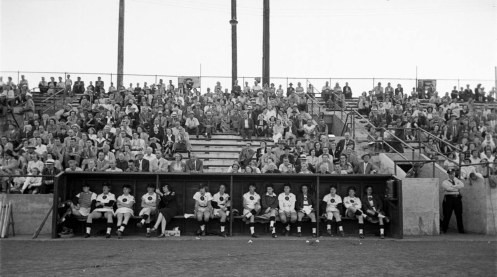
(419, 142)
(234, 46)
(120, 45)
(433, 164)
(111, 81)
(317, 206)
(231, 214)
(55, 205)
(265, 43)
(495, 78)
(416, 84)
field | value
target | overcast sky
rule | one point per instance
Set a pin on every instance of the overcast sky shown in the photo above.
(312, 38)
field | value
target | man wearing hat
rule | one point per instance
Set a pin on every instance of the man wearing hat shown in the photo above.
(452, 201)
(365, 167)
(49, 172)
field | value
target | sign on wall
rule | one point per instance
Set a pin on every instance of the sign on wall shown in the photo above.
(189, 81)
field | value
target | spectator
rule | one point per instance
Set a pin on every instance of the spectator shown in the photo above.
(194, 164)
(143, 165)
(246, 155)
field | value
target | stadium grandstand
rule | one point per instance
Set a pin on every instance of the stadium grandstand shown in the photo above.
(65, 125)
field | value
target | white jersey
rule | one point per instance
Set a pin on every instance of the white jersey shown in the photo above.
(222, 201)
(251, 199)
(125, 200)
(332, 201)
(149, 200)
(352, 202)
(105, 199)
(202, 200)
(287, 202)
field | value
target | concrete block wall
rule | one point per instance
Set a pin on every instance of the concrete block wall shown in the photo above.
(420, 206)
(29, 211)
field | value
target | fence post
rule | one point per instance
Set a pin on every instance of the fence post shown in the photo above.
(317, 206)
(395, 168)
(419, 141)
(433, 169)
(18, 77)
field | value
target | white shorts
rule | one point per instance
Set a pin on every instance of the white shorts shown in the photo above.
(147, 211)
(288, 213)
(84, 211)
(203, 209)
(124, 210)
(216, 212)
(104, 210)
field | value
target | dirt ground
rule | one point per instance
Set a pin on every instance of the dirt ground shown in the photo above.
(236, 257)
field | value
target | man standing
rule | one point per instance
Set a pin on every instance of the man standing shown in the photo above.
(452, 201)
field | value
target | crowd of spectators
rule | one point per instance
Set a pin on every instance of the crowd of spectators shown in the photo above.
(459, 127)
(142, 128)
(145, 128)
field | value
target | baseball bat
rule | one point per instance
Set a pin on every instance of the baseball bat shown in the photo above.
(37, 232)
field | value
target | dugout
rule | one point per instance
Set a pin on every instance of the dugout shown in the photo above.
(68, 184)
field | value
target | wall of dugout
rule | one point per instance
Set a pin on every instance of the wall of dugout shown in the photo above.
(387, 187)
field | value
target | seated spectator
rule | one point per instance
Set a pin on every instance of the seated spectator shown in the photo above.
(246, 155)
(73, 167)
(177, 165)
(194, 164)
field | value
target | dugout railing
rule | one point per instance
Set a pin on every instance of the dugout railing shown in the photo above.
(387, 187)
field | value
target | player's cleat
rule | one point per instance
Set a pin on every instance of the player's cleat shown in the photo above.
(119, 234)
(223, 234)
(107, 236)
(299, 234)
(342, 233)
(139, 225)
(153, 230)
(274, 235)
(87, 235)
(254, 235)
(314, 235)
(148, 235)
(329, 233)
(382, 236)
(161, 235)
(361, 236)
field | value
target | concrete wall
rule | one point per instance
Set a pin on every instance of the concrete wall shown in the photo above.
(29, 211)
(336, 124)
(421, 206)
(386, 165)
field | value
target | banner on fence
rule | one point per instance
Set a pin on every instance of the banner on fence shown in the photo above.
(426, 84)
(189, 82)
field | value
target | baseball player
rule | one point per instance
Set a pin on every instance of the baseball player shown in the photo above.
(124, 210)
(103, 208)
(333, 204)
(84, 202)
(288, 215)
(374, 210)
(251, 207)
(305, 208)
(353, 205)
(270, 207)
(149, 207)
(203, 208)
(221, 203)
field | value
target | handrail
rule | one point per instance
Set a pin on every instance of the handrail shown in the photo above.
(54, 99)
(439, 139)
(53, 95)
